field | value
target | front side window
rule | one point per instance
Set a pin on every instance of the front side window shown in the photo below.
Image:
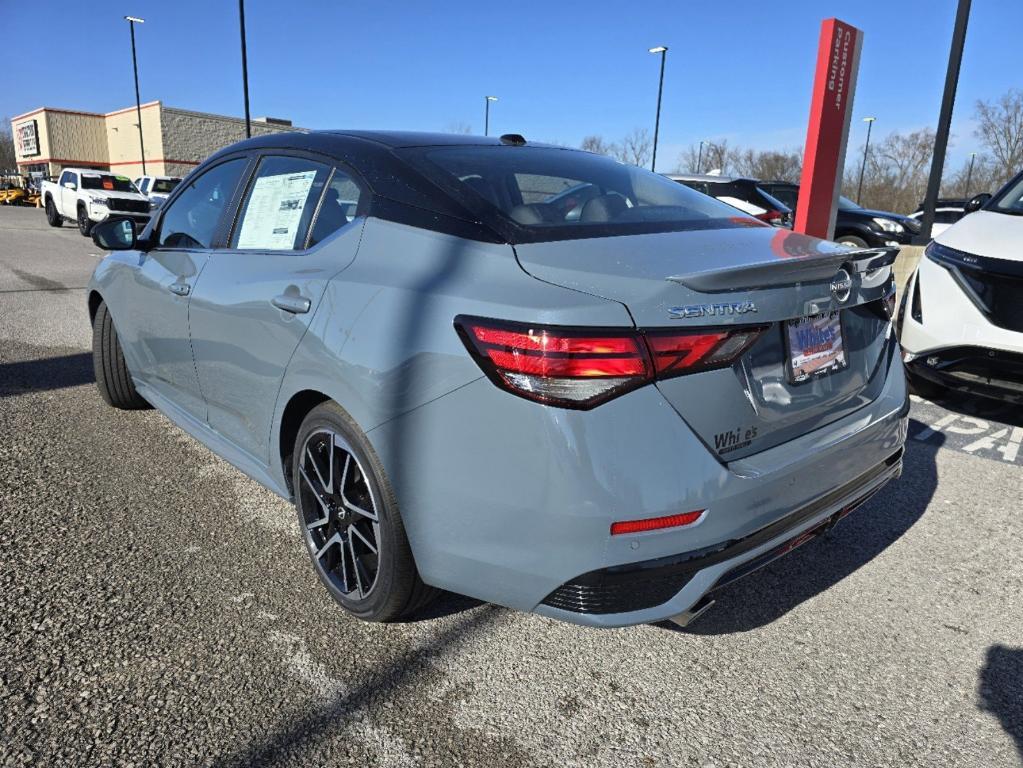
(143, 185)
(191, 220)
(280, 204)
(550, 193)
(66, 177)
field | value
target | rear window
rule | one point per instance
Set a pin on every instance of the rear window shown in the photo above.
(544, 193)
(164, 186)
(107, 182)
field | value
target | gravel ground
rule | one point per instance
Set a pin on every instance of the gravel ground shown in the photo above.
(158, 609)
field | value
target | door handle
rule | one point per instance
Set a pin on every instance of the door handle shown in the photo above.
(179, 289)
(296, 305)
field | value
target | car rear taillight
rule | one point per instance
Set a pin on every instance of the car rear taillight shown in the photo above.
(583, 367)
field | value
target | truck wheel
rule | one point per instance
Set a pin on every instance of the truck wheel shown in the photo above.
(84, 223)
(112, 377)
(852, 240)
(52, 217)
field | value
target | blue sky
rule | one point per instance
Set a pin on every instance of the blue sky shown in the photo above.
(739, 70)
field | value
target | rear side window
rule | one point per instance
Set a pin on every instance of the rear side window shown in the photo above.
(546, 193)
(340, 205)
(191, 220)
(280, 204)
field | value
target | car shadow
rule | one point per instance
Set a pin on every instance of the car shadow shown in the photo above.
(45, 373)
(773, 591)
(1000, 690)
(985, 408)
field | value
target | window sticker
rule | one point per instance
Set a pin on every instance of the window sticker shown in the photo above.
(108, 183)
(275, 210)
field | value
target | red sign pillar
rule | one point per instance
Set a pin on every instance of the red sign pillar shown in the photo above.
(838, 59)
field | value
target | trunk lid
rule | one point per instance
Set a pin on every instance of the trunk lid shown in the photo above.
(737, 277)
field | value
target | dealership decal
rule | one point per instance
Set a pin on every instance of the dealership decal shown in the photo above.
(734, 439)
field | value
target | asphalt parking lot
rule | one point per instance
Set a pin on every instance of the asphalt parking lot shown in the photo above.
(158, 608)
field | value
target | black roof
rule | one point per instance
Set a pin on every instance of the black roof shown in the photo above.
(397, 139)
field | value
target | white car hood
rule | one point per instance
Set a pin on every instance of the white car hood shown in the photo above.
(109, 193)
(985, 233)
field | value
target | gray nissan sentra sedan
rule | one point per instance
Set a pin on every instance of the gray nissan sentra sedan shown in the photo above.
(527, 374)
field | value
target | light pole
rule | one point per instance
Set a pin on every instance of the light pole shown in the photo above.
(132, 21)
(699, 158)
(486, 114)
(948, 99)
(663, 50)
(245, 68)
(969, 174)
(866, 148)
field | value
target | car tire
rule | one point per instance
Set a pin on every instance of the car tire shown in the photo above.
(112, 376)
(856, 242)
(341, 541)
(52, 217)
(84, 223)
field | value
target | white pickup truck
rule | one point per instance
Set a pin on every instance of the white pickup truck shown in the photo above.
(87, 197)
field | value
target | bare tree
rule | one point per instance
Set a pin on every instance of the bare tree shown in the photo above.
(786, 165)
(1000, 130)
(718, 157)
(635, 148)
(458, 126)
(896, 174)
(8, 161)
(597, 145)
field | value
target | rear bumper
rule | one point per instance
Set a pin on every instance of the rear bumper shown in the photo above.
(618, 595)
(507, 501)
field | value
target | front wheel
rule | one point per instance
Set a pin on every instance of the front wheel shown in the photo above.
(855, 242)
(112, 377)
(84, 222)
(52, 217)
(349, 519)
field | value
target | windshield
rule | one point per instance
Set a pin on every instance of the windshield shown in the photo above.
(552, 194)
(1010, 199)
(107, 182)
(164, 186)
(846, 204)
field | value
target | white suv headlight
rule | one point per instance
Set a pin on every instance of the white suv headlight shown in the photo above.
(889, 226)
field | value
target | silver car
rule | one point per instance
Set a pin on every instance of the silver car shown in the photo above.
(527, 374)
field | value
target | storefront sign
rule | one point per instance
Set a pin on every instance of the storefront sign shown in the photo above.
(28, 139)
(838, 60)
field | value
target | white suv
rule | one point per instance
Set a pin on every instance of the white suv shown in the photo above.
(157, 188)
(961, 319)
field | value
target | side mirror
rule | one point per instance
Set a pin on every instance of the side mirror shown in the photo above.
(115, 235)
(70, 185)
(977, 202)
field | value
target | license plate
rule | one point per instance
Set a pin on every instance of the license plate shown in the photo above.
(815, 346)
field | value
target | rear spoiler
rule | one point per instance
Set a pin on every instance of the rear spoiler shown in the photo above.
(777, 272)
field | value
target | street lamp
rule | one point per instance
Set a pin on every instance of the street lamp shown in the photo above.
(486, 114)
(663, 50)
(132, 21)
(699, 158)
(969, 174)
(866, 147)
(245, 68)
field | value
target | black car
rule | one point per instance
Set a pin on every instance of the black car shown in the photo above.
(745, 194)
(854, 225)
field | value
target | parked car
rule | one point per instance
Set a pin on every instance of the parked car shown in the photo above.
(157, 188)
(961, 315)
(600, 418)
(854, 225)
(946, 213)
(86, 196)
(744, 194)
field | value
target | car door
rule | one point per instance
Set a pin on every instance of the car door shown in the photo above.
(69, 183)
(155, 309)
(298, 225)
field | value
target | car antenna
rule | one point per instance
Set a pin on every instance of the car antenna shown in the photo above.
(513, 139)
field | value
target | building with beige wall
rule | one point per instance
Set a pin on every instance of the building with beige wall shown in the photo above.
(47, 140)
